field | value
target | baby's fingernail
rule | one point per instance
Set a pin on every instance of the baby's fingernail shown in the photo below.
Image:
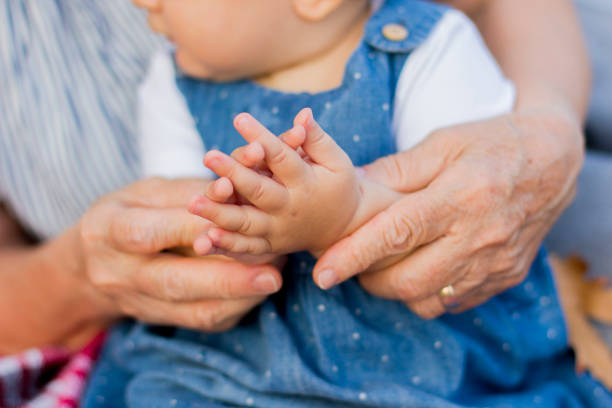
(327, 279)
(265, 284)
(241, 119)
(360, 172)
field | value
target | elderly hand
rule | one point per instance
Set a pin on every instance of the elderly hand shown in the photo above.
(479, 200)
(122, 239)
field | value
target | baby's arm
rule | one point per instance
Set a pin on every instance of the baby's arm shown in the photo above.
(307, 203)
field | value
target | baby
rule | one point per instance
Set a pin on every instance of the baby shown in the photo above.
(379, 77)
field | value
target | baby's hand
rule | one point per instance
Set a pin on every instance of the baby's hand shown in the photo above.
(303, 203)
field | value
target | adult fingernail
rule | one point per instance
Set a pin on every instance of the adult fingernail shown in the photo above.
(327, 279)
(265, 284)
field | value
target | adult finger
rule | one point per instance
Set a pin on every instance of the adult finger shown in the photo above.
(208, 315)
(421, 274)
(464, 299)
(173, 278)
(415, 220)
(483, 293)
(149, 230)
(429, 308)
(163, 193)
(414, 169)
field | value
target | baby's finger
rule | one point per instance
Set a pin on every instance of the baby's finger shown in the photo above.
(249, 155)
(260, 190)
(238, 218)
(221, 190)
(283, 161)
(238, 243)
(320, 146)
(203, 245)
(294, 137)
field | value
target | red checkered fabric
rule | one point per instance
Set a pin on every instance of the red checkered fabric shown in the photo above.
(47, 378)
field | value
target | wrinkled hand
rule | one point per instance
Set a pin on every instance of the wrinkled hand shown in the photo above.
(122, 238)
(481, 197)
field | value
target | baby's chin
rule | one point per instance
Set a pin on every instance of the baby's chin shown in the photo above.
(191, 67)
(194, 68)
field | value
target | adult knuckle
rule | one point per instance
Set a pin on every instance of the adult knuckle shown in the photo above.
(502, 232)
(486, 191)
(475, 279)
(360, 258)
(407, 289)
(224, 288)
(505, 231)
(508, 260)
(516, 276)
(90, 231)
(173, 285)
(93, 227)
(514, 280)
(104, 279)
(129, 230)
(208, 317)
(403, 232)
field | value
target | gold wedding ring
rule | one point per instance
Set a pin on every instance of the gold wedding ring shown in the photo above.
(447, 297)
(447, 291)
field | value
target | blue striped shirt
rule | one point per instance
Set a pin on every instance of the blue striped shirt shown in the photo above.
(69, 71)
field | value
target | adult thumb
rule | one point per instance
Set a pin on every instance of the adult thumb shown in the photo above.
(414, 169)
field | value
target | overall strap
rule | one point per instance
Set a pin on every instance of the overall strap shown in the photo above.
(400, 26)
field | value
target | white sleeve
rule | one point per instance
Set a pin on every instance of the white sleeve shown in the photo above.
(451, 78)
(169, 143)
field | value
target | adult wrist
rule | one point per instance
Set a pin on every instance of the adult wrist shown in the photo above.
(557, 126)
(64, 260)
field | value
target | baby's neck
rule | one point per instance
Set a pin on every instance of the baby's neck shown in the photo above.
(320, 72)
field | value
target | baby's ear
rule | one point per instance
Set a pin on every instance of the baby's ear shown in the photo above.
(315, 10)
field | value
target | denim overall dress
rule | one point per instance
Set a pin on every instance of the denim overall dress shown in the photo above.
(305, 347)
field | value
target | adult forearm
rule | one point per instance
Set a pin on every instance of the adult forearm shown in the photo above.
(43, 300)
(539, 45)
